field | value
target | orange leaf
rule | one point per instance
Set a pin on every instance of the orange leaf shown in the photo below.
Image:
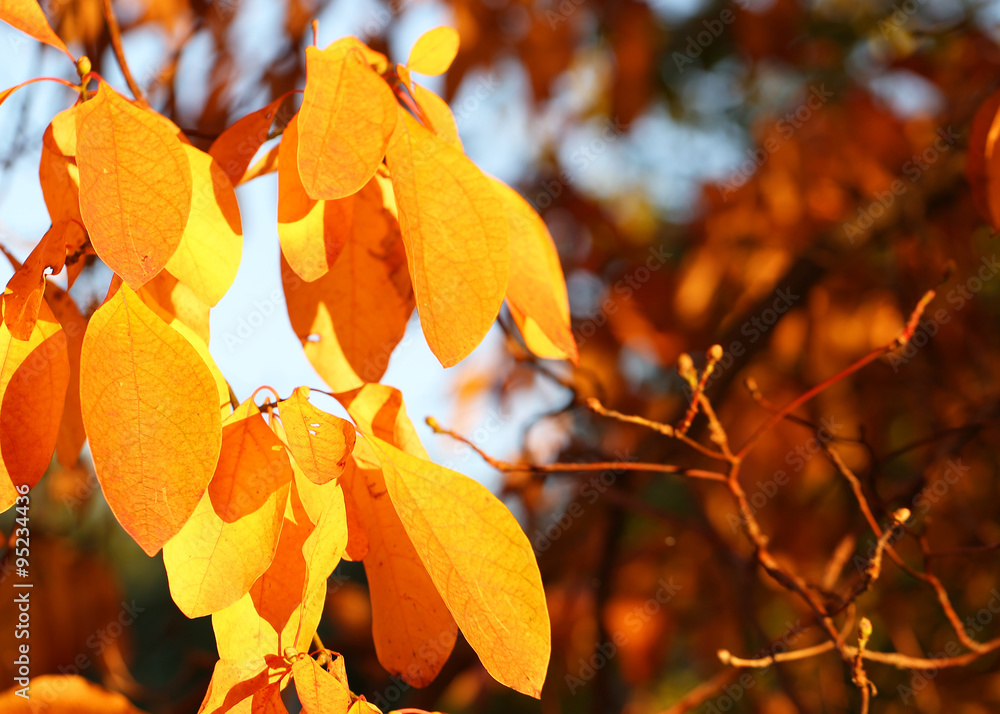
(982, 166)
(235, 148)
(434, 52)
(274, 615)
(456, 238)
(135, 185)
(71, 435)
(27, 16)
(358, 310)
(231, 538)
(438, 113)
(320, 443)
(25, 288)
(65, 694)
(33, 379)
(378, 409)
(243, 686)
(312, 233)
(155, 438)
(178, 303)
(319, 691)
(537, 288)
(412, 628)
(480, 561)
(208, 255)
(348, 114)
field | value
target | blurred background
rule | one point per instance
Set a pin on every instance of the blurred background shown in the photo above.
(783, 177)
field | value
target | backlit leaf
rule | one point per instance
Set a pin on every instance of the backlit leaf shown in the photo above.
(243, 686)
(438, 113)
(359, 310)
(235, 148)
(348, 114)
(231, 537)
(27, 16)
(155, 437)
(319, 691)
(33, 379)
(312, 233)
(434, 52)
(537, 288)
(135, 185)
(413, 630)
(208, 255)
(480, 561)
(321, 443)
(456, 237)
(71, 435)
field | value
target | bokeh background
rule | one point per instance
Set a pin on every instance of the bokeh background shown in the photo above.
(783, 177)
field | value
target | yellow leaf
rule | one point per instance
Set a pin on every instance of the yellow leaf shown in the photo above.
(135, 185)
(321, 443)
(231, 537)
(412, 628)
(312, 233)
(319, 691)
(243, 686)
(33, 379)
(27, 16)
(378, 409)
(434, 52)
(208, 255)
(155, 438)
(438, 113)
(456, 237)
(348, 114)
(537, 288)
(176, 303)
(480, 561)
(359, 310)
(274, 615)
(57, 169)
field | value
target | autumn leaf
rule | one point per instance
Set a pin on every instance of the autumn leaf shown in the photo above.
(27, 16)
(537, 288)
(321, 443)
(72, 435)
(378, 409)
(312, 233)
(480, 561)
(230, 539)
(438, 114)
(178, 303)
(244, 686)
(274, 615)
(413, 630)
(319, 691)
(208, 255)
(456, 237)
(65, 694)
(983, 163)
(135, 185)
(34, 375)
(235, 148)
(434, 51)
(348, 114)
(351, 319)
(24, 291)
(155, 438)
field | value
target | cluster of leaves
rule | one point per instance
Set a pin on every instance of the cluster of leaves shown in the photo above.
(379, 211)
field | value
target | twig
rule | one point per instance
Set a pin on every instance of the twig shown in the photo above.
(115, 33)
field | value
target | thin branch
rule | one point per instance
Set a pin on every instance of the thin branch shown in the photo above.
(115, 33)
